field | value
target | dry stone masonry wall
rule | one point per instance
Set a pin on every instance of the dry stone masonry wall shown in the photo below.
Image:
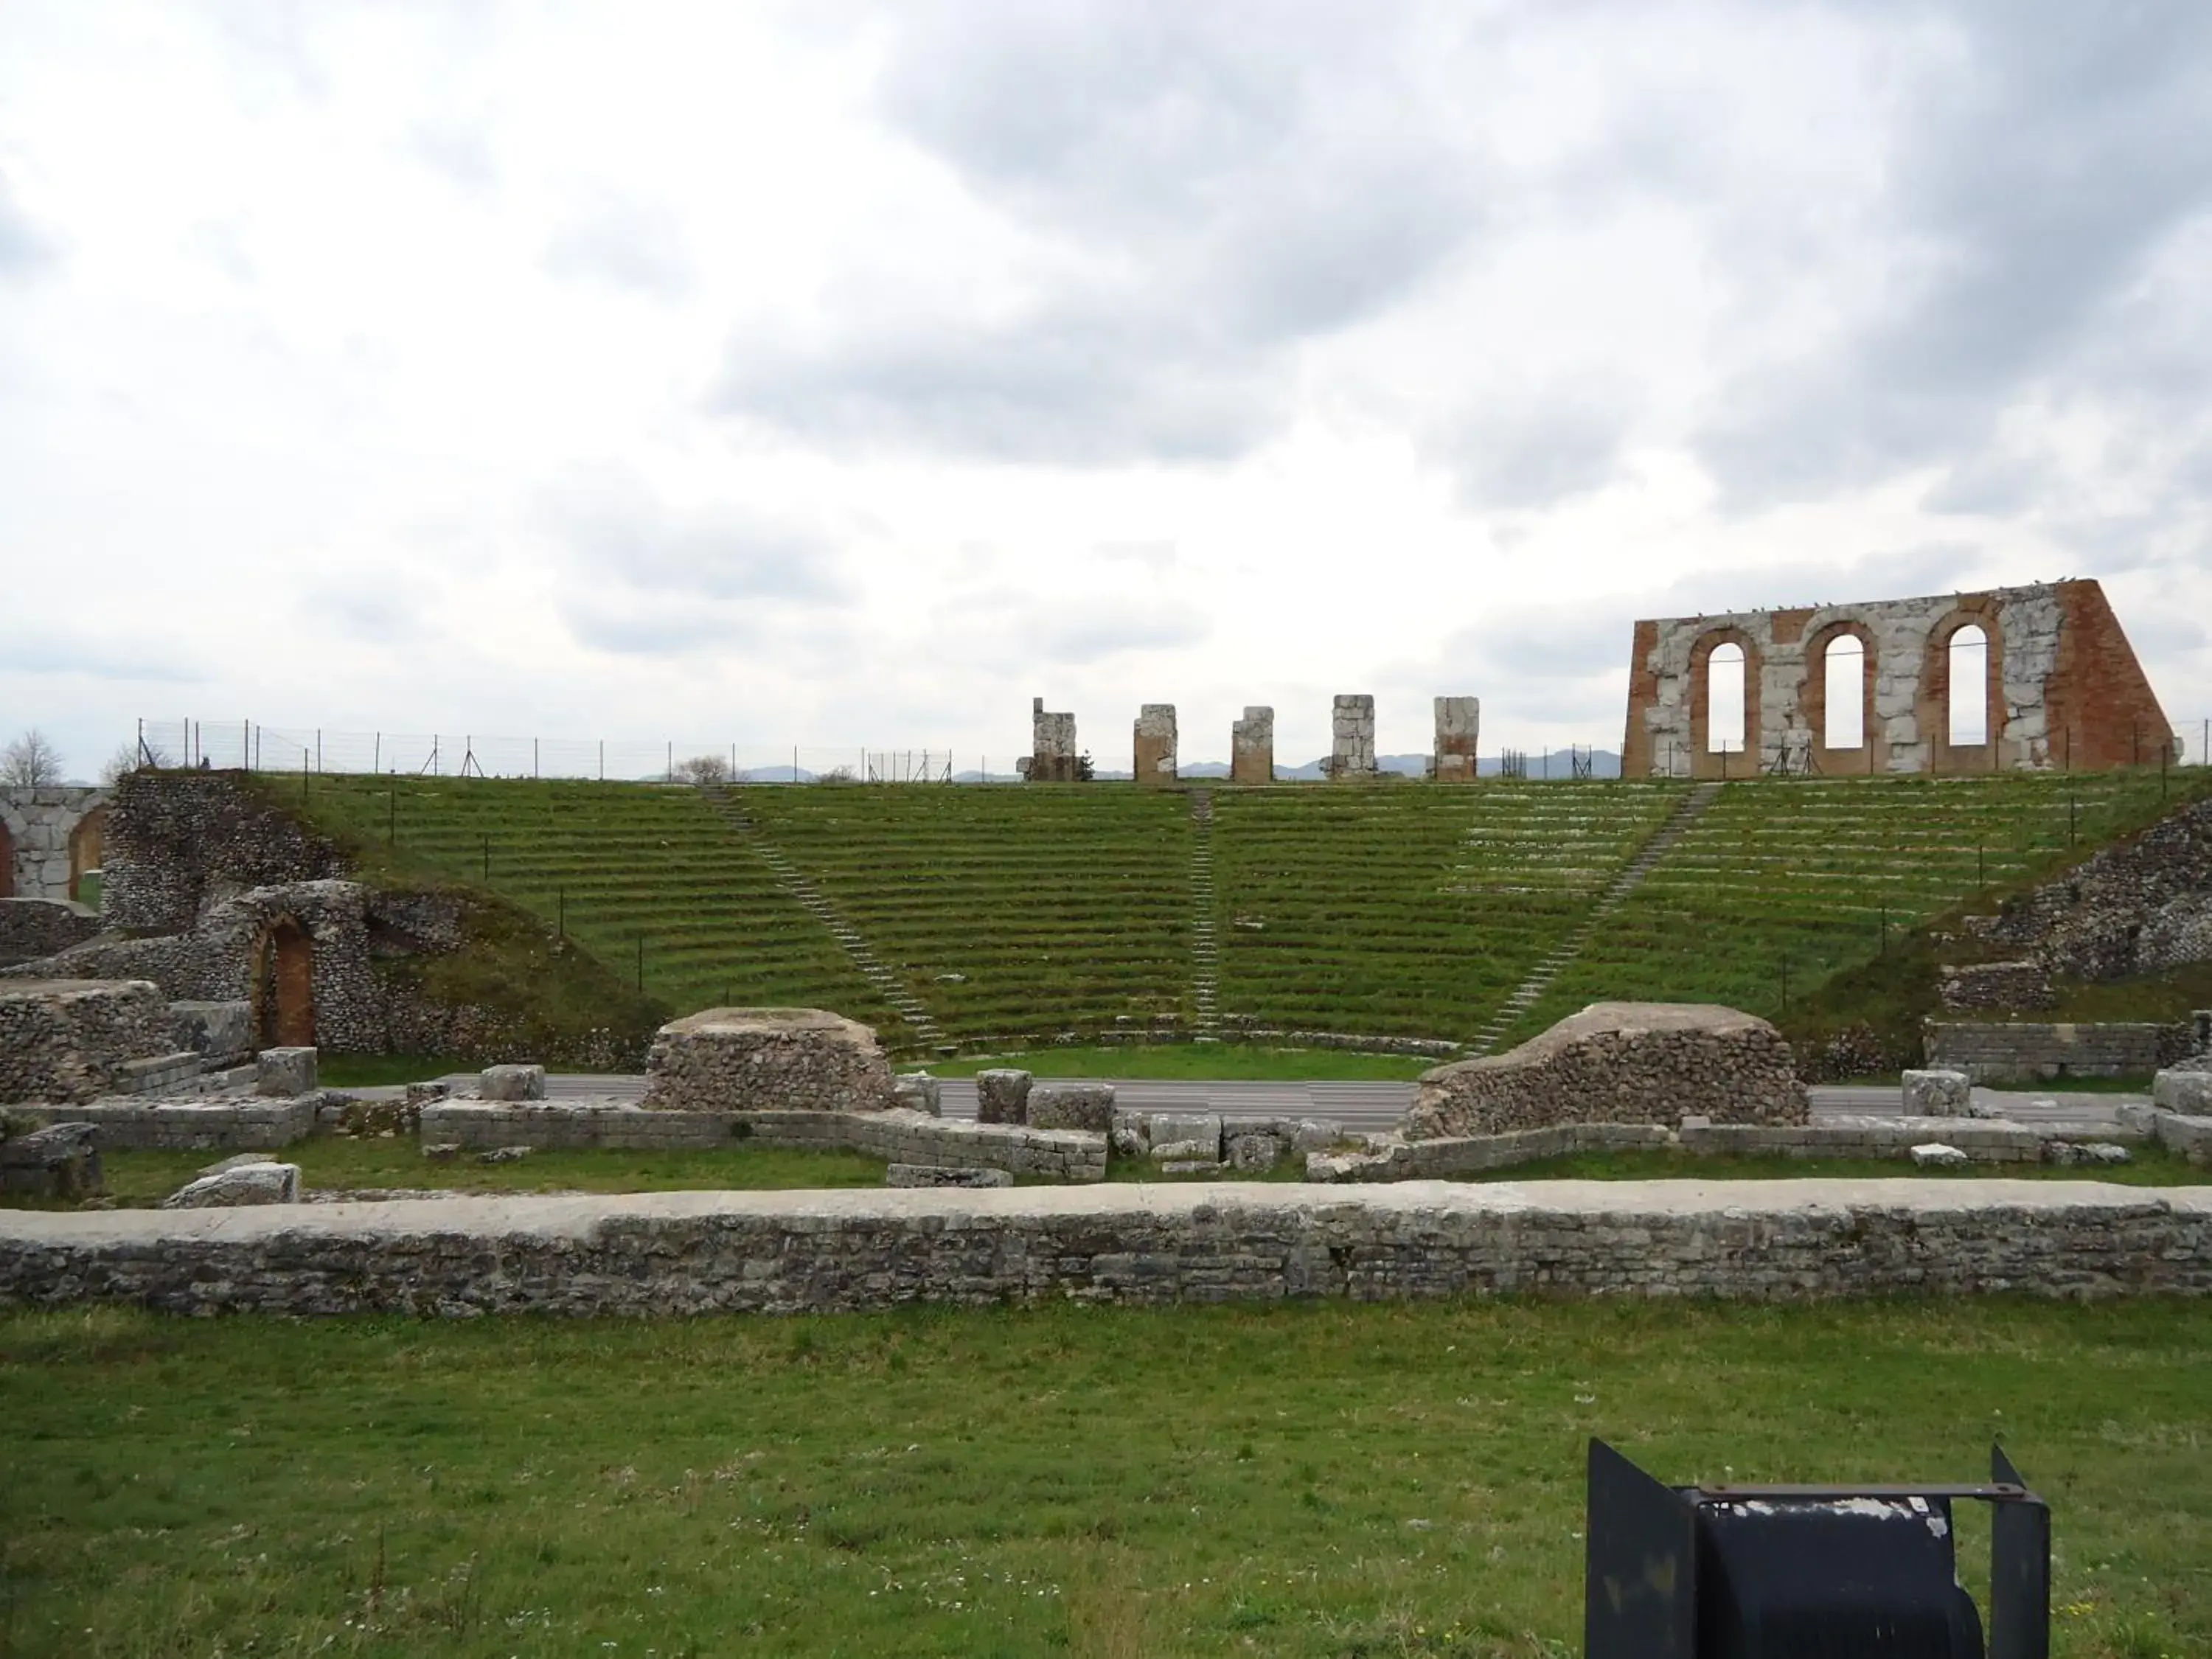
(50, 836)
(793, 1252)
(31, 928)
(73, 1039)
(1052, 758)
(1618, 1062)
(767, 1059)
(1352, 737)
(2019, 1051)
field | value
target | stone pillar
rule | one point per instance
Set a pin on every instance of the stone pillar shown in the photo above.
(1156, 743)
(1351, 743)
(1052, 758)
(1459, 723)
(1252, 746)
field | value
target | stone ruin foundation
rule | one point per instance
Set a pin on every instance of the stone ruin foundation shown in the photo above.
(1352, 737)
(1252, 746)
(1459, 728)
(1618, 1062)
(69, 1040)
(1052, 758)
(767, 1060)
(1155, 738)
(2061, 687)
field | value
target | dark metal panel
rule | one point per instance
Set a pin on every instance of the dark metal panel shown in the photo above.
(1639, 1589)
(2020, 1569)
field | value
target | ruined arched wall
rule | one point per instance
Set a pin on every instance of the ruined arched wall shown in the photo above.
(35, 830)
(2064, 686)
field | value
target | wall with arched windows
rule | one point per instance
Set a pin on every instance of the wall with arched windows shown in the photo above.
(1839, 690)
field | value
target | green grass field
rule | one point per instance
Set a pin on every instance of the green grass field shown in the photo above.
(1314, 1479)
(1030, 913)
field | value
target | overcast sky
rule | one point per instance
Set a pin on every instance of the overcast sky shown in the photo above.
(837, 375)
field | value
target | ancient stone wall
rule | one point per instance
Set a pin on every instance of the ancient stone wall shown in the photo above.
(1252, 746)
(49, 837)
(1052, 756)
(1618, 1062)
(2019, 1051)
(2062, 687)
(801, 1252)
(1459, 732)
(2140, 907)
(1352, 737)
(767, 1059)
(1154, 741)
(34, 927)
(178, 843)
(72, 1039)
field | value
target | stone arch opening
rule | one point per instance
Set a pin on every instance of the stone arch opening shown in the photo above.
(1837, 699)
(1946, 689)
(1966, 719)
(284, 985)
(1737, 723)
(86, 843)
(7, 861)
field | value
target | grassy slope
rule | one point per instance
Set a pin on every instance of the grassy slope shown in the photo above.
(1315, 1479)
(1390, 909)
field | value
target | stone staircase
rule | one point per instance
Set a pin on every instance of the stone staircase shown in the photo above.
(1205, 948)
(796, 883)
(1523, 996)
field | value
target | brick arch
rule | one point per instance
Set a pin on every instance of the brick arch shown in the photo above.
(1873, 752)
(1932, 707)
(88, 838)
(283, 988)
(1703, 764)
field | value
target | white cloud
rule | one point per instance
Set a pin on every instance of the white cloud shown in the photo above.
(802, 374)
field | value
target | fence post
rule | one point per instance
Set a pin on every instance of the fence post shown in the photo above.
(318, 749)
(534, 771)
(376, 755)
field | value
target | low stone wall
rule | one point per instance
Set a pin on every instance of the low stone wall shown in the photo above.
(1618, 1062)
(767, 1059)
(1392, 1158)
(2017, 1051)
(900, 1136)
(793, 1252)
(1995, 985)
(71, 1039)
(34, 927)
(198, 1126)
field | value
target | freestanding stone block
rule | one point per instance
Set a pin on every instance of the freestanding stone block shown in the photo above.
(1938, 1094)
(767, 1060)
(285, 1071)
(1252, 746)
(240, 1185)
(1458, 731)
(1618, 1062)
(2177, 1088)
(1155, 744)
(1071, 1106)
(1187, 1136)
(59, 1161)
(918, 1091)
(1352, 739)
(1002, 1096)
(511, 1083)
(216, 1031)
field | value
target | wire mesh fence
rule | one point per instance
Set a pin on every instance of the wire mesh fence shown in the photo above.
(248, 745)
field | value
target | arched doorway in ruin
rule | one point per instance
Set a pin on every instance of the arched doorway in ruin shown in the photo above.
(1727, 746)
(85, 844)
(284, 985)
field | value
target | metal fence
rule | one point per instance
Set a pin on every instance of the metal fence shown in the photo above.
(247, 744)
(251, 747)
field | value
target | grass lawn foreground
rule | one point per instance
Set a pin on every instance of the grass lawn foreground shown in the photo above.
(1317, 1479)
